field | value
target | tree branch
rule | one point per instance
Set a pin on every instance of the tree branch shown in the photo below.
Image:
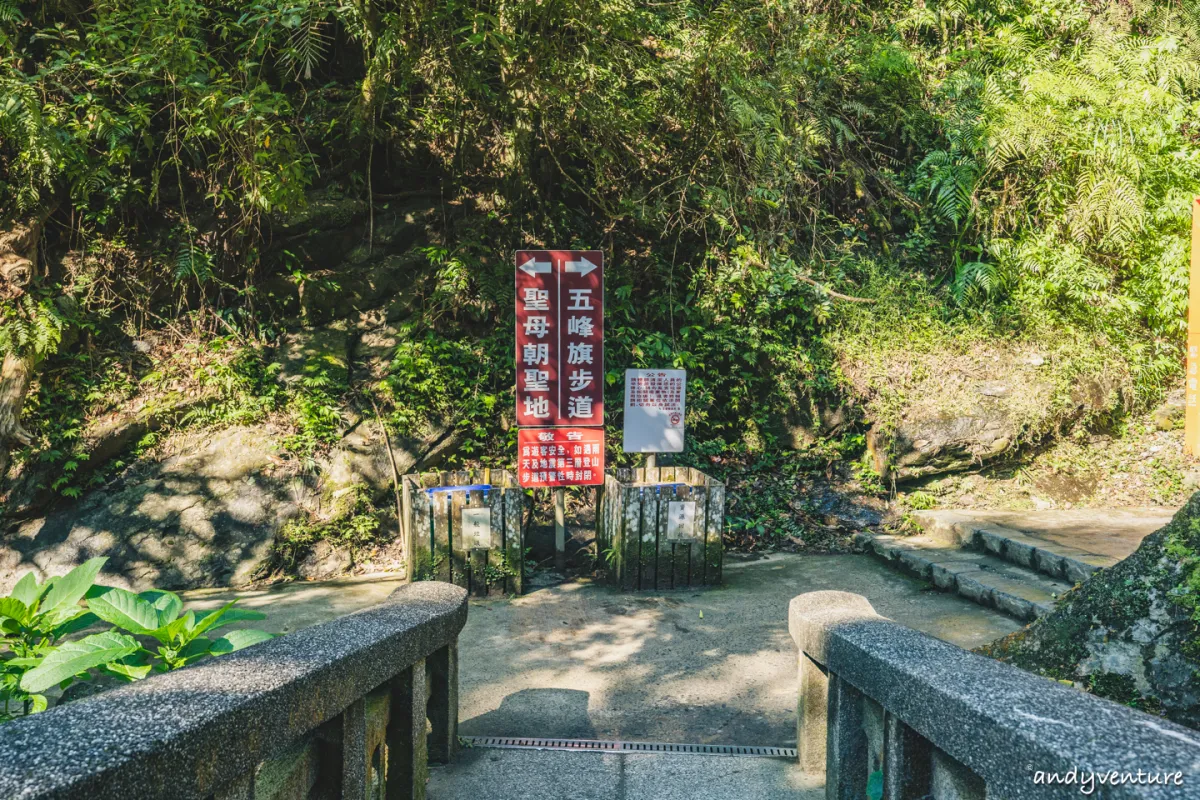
(832, 293)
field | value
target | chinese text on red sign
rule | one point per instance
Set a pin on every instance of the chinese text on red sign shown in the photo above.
(548, 457)
(560, 337)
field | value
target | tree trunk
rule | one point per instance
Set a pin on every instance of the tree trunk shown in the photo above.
(18, 269)
(15, 376)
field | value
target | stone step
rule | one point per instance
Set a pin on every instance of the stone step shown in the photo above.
(981, 577)
(1051, 558)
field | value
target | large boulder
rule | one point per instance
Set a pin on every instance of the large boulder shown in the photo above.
(324, 561)
(362, 457)
(929, 446)
(1131, 632)
(951, 405)
(206, 516)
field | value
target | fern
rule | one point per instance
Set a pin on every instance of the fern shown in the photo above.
(10, 12)
(308, 42)
(192, 263)
(31, 327)
(975, 276)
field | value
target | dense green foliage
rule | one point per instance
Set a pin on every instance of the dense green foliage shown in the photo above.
(743, 163)
(37, 621)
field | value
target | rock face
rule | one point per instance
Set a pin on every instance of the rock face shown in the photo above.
(326, 348)
(1131, 632)
(804, 423)
(931, 446)
(103, 440)
(204, 517)
(208, 516)
(347, 270)
(325, 561)
(1169, 415)
(362, 457)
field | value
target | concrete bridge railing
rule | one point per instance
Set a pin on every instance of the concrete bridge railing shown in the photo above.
(339, 710)
(886, 711)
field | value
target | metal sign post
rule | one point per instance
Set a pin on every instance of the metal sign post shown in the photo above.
(560, 374)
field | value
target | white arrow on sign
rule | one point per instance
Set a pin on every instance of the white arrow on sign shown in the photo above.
(532, 267)
(583, 266)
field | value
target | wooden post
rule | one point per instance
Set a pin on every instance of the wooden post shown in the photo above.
(1191, 414)
(560, 528)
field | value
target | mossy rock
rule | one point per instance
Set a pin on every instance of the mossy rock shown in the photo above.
(1130, 633)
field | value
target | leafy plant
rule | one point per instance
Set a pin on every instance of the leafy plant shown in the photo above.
(316, 407)
(36, 619)
(180, 634)
(920, 501)
(353, 524)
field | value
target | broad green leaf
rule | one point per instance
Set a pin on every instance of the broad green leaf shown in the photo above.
(128, 669)
(236, 640)
(125, 610)
(180, 630)
(70, 588)
(15, 609)
(196, 648)
(75, 624)
(167, 604)
(50, 620)
(23, 662)
(27, 589)
(226, 616)
(211, 619)
(71, 658)
(241, 615)
(37, 704)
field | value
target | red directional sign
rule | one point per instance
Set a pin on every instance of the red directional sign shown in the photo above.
(560, 338)
(551, 457)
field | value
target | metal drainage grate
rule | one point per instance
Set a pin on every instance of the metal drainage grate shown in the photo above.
(600, 746)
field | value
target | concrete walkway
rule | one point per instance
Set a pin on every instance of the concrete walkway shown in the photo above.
(557, 775)
(292, 606)
(581, 661)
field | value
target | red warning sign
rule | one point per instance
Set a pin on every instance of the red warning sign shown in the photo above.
(549, 457)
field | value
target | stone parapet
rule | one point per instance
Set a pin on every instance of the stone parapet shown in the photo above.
(335, 710)
(886, 708)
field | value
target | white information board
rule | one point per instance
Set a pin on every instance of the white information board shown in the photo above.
(477, 527)
(681, 519)
(654, 406)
